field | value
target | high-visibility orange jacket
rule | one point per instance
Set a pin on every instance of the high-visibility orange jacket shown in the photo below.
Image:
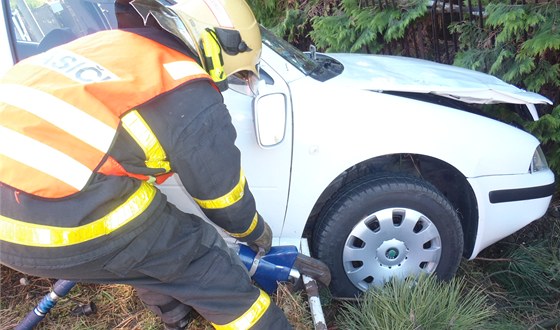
(87, 128)
(61, 109)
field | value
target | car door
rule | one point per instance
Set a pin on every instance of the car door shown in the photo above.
(265, 155)
(267, 167)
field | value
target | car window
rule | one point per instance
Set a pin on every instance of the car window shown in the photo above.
(38, 25)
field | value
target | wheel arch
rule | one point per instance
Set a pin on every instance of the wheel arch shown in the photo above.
(446, 178)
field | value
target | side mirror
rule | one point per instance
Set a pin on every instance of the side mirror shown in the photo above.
(270, 119)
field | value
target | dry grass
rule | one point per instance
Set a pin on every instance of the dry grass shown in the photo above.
(117, 306)
(294, 305)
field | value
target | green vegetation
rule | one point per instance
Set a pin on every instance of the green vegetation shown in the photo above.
(525, 279)
(30, 3)
(425, 303)
(357, 27)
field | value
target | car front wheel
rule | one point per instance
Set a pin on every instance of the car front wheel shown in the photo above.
(379, 228)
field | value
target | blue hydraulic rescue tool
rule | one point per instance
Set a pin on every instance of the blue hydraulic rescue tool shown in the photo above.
(282, 264)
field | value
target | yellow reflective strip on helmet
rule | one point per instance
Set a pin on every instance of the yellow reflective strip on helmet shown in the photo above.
(248, 231)
(213, 60)
(250, 317)
(24, 233)
(137, 127)
(226, 200)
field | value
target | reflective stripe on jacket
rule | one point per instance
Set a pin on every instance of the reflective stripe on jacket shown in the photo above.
(60, 109)
(59, 116)
(23, 233)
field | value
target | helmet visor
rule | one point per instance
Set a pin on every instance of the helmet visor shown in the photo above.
(244, 82)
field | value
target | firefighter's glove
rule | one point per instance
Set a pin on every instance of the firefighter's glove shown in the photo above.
(264, 241)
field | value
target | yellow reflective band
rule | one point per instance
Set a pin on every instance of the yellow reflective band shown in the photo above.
(137, 127)
(248, 231)
(250, 317)
(226, 200)
(24, 233)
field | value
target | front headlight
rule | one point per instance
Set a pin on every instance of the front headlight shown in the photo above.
(539, 161)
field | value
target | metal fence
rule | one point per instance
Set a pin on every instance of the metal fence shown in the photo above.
(429, 37)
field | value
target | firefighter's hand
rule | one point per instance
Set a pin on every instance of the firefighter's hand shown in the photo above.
(264, 241)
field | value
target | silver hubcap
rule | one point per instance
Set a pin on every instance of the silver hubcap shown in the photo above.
(394, 242)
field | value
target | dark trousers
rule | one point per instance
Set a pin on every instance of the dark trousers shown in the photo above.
(179, 262)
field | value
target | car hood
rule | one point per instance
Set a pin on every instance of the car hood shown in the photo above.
(405, 74)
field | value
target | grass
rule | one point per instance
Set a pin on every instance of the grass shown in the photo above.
(522, 275)
(423, 303)
(515, 284)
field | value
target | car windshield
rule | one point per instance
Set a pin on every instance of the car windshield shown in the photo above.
(38, 25)
(290, 53)
(321, 68)
(34, 19)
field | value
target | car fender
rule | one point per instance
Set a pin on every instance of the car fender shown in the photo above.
(336, 127)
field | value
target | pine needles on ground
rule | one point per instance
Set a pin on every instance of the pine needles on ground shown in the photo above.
(118, 307)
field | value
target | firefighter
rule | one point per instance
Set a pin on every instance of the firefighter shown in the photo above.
(89, 128)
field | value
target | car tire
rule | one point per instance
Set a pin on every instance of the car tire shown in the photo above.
(378, 228)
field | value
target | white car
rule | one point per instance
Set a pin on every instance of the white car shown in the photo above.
(381, 163)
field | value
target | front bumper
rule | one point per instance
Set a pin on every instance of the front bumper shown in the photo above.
(507, 203)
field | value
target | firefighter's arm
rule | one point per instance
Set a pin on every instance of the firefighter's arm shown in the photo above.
(208, 163)
(217, 182)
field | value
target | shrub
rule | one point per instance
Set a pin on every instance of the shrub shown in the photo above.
(425, 303)
(520, 43)
(359, 27)
(530, 266)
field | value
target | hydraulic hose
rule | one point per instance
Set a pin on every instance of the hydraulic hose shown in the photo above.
(60, 289)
